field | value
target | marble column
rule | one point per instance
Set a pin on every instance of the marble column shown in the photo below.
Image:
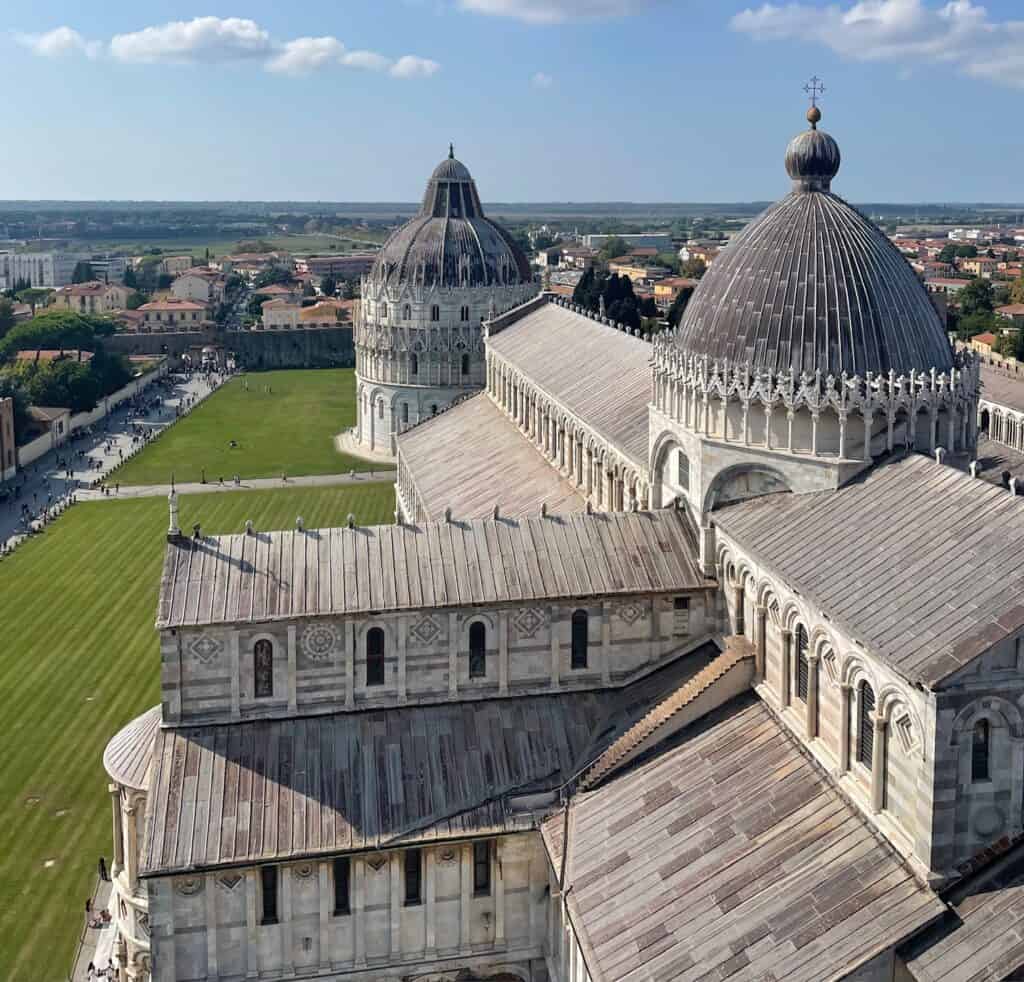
(845, 693)
(115, 803)
(878, 766)
(813, 665)
(785, 694)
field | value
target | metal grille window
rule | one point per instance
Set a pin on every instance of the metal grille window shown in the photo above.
(803, 668)
(375, 656)
(680, 617)
(482, 868)
(268, 894)
(477, 650)
(413, 877)
(866, 725)
(341, 885)
(580, 636)
(980, 751)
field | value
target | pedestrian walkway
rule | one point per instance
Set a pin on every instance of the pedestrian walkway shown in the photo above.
(96, 944)
(91, 454)
(252, 484)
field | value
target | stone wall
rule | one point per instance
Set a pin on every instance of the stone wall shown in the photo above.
(320, 665)
(322, 347)
(207, 926)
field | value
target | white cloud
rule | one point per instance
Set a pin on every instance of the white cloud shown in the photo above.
(555, 11)
(365, 59)
(959, 33)
(412, 66)
(208, 38)
(226, 39)
(59, 42)
(541, 80)
(304, 55)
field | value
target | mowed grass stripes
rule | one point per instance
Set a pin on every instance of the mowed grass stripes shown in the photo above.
(79, 658)
(289, 429)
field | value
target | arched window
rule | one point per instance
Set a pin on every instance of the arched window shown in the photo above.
(263, 668)
(383, 310)
(580, 636)
(380, 409)
(477, 650)
(405, 412)
(414, 364)
(435, 313)
(865, 725)
(465, 364)
(980, 751)
(803, 667)
(406, 312)
(464, 314)
(375, 656)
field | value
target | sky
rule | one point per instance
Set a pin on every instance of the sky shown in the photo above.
(545, 100)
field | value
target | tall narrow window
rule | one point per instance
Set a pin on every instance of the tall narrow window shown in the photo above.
(866, 725)
(268, 894)
(383, 310)
(682, 471)
(263, 668)
(375, 656)
(465, 364)
(580, 636)
(477, 650)
(980, 751)
(413, 877)
(405, 412)
(680, 617)
(803, 668)
(464, 314)
(435, 313)
(342, 868)
(414, 364)
(482, 868)
(406, 312)
(380, 409)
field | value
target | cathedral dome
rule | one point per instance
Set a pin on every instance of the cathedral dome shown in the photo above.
(811, 284)
(451, 243)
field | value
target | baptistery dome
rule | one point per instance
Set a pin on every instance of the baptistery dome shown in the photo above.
(812, 285)
(451, 243)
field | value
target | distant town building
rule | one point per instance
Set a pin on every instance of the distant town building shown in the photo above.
(1013, 312)
(92, 298)
(345, 266)
(8, 449)
(637, 271)
(666, 290)
(175, 265)
(40, 269)
(201, 284)
(281, 315)
(982, 343)
(172, 314)
(661, 241)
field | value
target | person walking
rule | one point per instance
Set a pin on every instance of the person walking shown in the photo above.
(102, 867)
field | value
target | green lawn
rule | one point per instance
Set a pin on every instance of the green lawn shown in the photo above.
(79, 658)
(289, 430)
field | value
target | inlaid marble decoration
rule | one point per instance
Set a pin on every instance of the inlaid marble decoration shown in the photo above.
(319, 641)
(426, 631)
(528, 621)
(205, 649)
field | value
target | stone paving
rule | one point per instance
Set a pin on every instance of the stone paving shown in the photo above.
(95, 944)
(91, 456)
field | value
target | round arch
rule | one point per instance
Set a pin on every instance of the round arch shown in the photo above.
(741, 482)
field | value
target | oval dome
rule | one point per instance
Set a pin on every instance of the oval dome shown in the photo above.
(451, 243)
(813, 285)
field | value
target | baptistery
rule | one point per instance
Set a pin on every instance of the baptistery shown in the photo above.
(418, 336)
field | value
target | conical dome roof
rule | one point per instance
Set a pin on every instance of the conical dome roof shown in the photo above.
(811, 284)
(451, 243)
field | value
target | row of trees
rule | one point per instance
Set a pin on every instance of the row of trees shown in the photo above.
(620, 302)
(975, 314)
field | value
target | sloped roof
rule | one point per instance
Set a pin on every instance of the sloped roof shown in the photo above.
(128, 756)
(281, 575)
(489, 444)
(1002, 388)
(730, 856)
(598, 373)
(917, 562)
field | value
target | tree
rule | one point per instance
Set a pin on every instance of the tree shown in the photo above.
(967, 252)
(136, 300)
(275, 273)
(669, 260)
(1017, 291)
(57, 329)
(977, 297)
(6, 316)
(130, 279)
(678, 308)
(164, 281)
(693, 269)
(648, 308)
(82, 273)
(977, 323)
(328, 286)
(543, 241)
(613, 247)
(35, 296)
(948, 253)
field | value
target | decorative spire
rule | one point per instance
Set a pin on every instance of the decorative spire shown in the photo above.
(173, 529)
(451, 151)
(814, 88)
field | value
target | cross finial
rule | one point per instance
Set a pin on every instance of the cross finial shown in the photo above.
(451, 151)
(814, 88)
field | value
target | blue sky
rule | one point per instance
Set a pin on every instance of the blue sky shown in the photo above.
(546, 100)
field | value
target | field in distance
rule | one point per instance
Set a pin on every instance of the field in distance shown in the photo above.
(289, 429)
(80, 659)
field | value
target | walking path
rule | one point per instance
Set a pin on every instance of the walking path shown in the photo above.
(253, 484)
(96, 944)
(90, 455)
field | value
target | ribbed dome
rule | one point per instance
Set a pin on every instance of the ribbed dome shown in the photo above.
(811, 284)
(450, 243)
